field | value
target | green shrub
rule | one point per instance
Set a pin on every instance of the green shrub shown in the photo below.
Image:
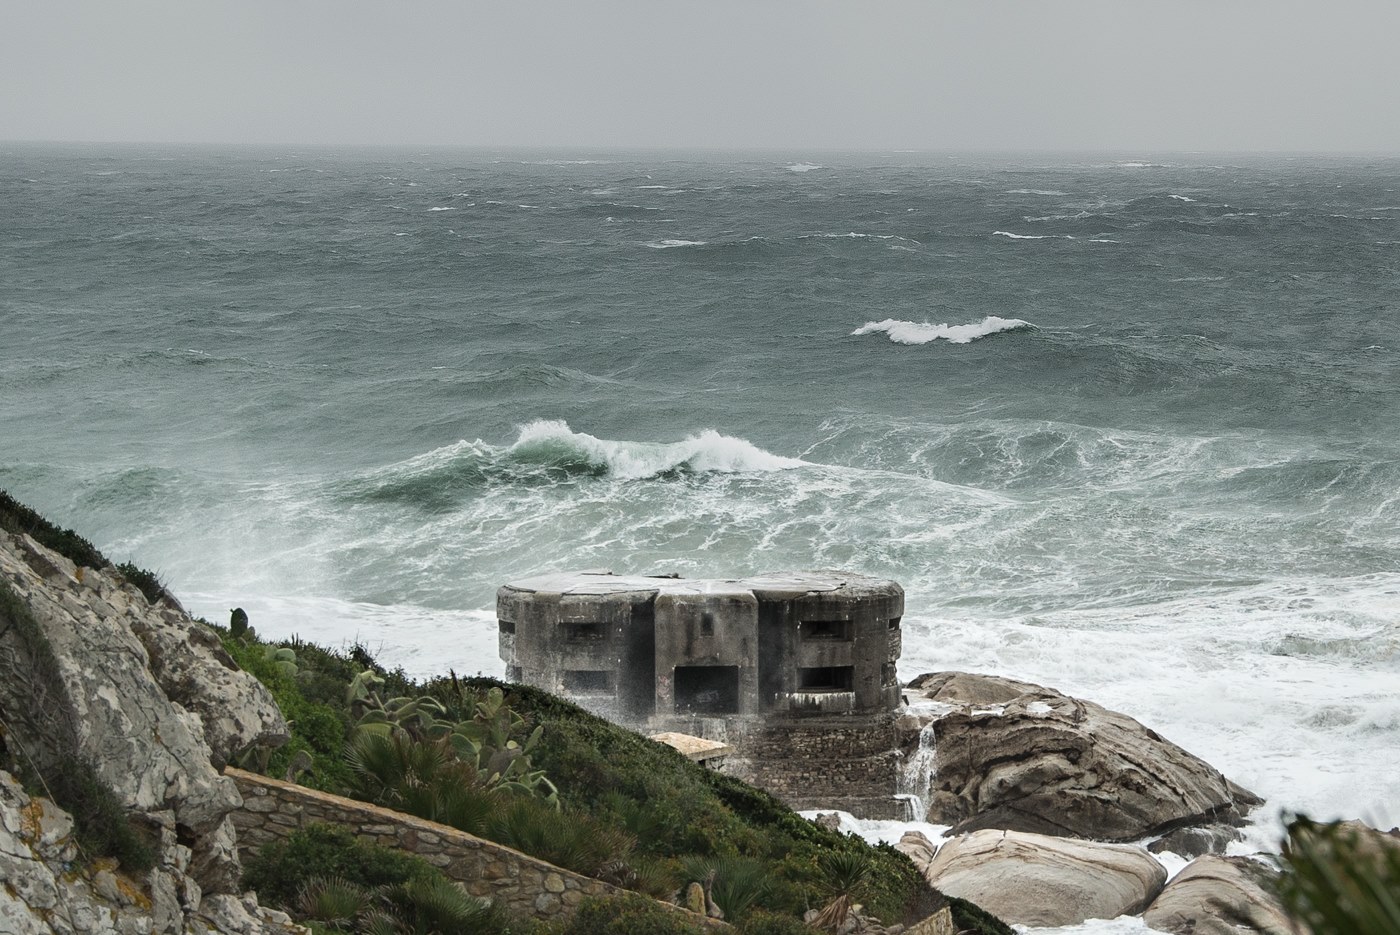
(317, 728)
(631, 915)
(19, 519)
(146, 582)
(972, 919)
(762, 922)
(571, 839)
(282, 868)
(1336, 881)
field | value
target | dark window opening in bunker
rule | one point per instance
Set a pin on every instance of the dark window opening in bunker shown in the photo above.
(707, 689)
(887, 674)
(894, 623)
(583, 632)
(826, 678)
(837, 630)
(587, 680)
(707, 624)
(507, 626)
(512, 673)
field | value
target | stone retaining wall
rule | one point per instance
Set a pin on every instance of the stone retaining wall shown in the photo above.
(523, 885)
(852, 763)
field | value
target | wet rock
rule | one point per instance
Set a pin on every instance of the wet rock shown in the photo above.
(1033, 879)
(1016, 756)
(1219, 896)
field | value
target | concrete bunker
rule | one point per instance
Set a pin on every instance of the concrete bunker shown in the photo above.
(660, 651)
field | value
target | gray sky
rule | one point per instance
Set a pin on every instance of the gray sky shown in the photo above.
(970, 74)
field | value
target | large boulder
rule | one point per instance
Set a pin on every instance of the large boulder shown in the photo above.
(1034, 879)
(1220, 896)
(1016, 756)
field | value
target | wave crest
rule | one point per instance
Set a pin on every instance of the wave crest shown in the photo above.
(546, 453)
(910, 332)
(552, 442)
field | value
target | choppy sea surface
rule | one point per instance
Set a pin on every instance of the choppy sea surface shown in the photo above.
(1128, 426)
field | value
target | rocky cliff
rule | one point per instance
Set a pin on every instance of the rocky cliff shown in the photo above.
(140, 702)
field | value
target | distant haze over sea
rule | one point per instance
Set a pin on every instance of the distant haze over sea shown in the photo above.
(1124, 425)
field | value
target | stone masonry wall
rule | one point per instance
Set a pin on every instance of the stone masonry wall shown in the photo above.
(852, 763)
(521, 884)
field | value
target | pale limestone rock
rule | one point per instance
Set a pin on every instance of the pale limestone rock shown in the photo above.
(109, 707)
(1219, 896)
(1012, 755)
(193, 669)
(1033, 879)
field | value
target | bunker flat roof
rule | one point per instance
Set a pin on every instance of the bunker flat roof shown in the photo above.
(790, 582)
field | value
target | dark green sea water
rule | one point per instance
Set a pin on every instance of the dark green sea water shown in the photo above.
(355, 391)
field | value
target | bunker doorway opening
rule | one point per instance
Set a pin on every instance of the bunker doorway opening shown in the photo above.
(707, 689)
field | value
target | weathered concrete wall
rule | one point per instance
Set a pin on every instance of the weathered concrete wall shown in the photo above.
(523, 885)
(850, 763)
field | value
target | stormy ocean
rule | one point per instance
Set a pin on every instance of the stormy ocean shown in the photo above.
(1124, 426)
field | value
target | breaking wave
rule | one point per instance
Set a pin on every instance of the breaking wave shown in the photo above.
(910, 332)
(553, 442)
(546, 452)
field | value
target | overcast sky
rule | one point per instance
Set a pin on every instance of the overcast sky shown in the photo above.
(970, 74)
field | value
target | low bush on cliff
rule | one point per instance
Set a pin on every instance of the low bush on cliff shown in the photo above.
(19, 519)
(630, 915)
(324, 875)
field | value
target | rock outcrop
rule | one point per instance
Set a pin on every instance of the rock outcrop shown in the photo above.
(1033, 879)
(1219, 896)
(1015, 756)
(50, 889)
(85, 662)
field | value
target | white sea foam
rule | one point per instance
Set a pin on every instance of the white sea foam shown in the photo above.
(706, 451)
(803, 167)
(668, 244)
(396, 634)
(852, 235)
(1181, 198)
(1034, 191)
(1028, 236)
(1058, 217)
(442, 209)
(910, 332)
